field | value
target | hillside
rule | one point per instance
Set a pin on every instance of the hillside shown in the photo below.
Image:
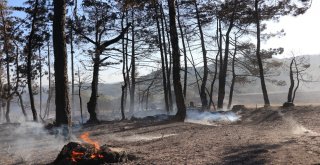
(249, 93)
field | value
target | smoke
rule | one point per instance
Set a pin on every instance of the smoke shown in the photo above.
(210, 118)
(295, 127)
(26, 142)
(142, 137)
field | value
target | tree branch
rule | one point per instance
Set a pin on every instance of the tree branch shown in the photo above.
(102, 60)
(116, 39)
(84, 36)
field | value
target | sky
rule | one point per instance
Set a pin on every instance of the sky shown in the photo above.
(302, 33)
(302, 37)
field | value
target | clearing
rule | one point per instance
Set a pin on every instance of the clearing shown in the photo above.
(270, 135)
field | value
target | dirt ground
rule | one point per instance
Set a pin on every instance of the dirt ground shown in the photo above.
(262, 136)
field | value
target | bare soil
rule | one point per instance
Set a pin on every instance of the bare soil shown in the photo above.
(263, 136)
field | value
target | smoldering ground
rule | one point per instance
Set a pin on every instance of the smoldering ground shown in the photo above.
(273, 132)
(25, 142)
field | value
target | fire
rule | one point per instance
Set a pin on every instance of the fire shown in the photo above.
(96, 156)
(85, 138)
(75, 156)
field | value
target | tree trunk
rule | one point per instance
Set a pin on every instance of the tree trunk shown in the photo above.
(8, 92)
(72, 69)
(1, 92)
(6, 51)
(80, 103)
(124, 87)
(291, 83)
(17, 83)
(298, 80)
(203, 94)
(167, 62)
(92, 104)
(80, 98)
(40, 87)
(233, 74)
(219, 55)
(211, 103)
(63, 116)
(29, 59)
(259, 60)
(22, 106)
(47, 111)
(193, 64)
(163, 66)
(184, 54)
(133, 67)
(181, 107)
(8, 111)
(219, 43)
(48, 104)
(123, 92)
(223, 69)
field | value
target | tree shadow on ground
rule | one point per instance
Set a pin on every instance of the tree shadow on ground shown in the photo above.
(249, 155)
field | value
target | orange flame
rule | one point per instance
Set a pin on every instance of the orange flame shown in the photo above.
(85, 138)
(96, 156)
(76, 155)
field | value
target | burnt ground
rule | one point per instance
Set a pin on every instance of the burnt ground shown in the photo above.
(263, 136)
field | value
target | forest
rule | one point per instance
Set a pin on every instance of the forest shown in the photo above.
(155, 82)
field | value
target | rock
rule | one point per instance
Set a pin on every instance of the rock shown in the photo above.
(237, 108)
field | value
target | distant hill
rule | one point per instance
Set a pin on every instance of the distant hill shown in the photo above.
(248, 94)
(253, 88)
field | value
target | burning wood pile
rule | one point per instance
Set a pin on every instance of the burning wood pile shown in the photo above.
(88, 153)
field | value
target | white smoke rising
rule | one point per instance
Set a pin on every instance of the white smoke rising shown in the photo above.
(27, 141)
(210, 118)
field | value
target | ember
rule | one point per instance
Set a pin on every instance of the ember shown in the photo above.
(88, 153)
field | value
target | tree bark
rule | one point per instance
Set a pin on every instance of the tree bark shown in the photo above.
(298, 80)
(167, 55)
(184, 54)
(17, 84)
(47, 111)
(233, 74)
(63, 116)
(72, 69)
(22, 106)
(224, 66)
(91, 105)
(193, 64)
(181, 108)
(6, 51)
(40, 87)
(219, 43)
(163, 66)
(203, 94)
(29, 59)
(259, 60)
(133, 67)
(289, 100)
(124, 87)
(79, 94)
